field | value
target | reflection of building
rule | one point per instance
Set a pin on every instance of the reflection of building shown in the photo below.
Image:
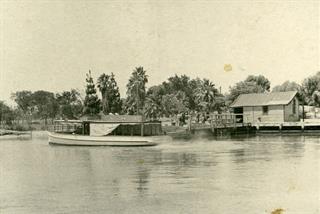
(267, 107)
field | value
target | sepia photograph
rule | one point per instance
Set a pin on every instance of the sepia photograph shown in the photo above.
(159, 107)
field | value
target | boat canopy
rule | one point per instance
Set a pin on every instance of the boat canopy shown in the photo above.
(102, 129)
(116, 124)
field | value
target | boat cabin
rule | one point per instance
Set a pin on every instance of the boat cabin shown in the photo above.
(122, 125)
(275, 107)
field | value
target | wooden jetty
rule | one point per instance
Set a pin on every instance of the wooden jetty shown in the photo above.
(288, 127)
(229, 123)
(219, 124)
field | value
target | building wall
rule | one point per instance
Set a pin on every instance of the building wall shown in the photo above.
(255, 114)
(289, 115)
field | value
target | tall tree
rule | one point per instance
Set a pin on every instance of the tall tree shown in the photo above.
(208, 97)
(110, 94)
(287, 86)
(91, 100)
(103, 85)
(311, 89)
(70, 104)
(116, 103)
(252, 84)
(181, 93)
(6, 114)
(173, 104)
(24, 101)
(260, 81)
(136, 91)
(46, 105)
(291, 86)
(153, 107)
(177, 83)
(183, 84)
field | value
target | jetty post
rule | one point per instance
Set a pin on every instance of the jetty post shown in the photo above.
(142, 126)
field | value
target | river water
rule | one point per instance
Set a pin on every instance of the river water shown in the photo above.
(242, 175)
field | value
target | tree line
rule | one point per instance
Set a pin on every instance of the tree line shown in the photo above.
(178, 94)
(308, 90)
(41, 105)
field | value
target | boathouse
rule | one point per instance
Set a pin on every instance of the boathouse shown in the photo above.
(120, 125)
(274, 107)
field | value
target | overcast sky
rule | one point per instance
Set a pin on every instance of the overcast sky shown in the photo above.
(50, 45)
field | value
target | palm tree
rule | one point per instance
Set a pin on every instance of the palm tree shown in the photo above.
(136, 89)
(109, 89)
(152, 109)
(207, 96)
(103, 85)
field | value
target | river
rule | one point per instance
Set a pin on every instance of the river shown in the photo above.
(232, 176)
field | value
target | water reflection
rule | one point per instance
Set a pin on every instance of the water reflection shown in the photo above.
(142, 179)
(239, 155)
(266, 148)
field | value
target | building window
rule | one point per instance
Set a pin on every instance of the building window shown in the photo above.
(294, 106)
(265, 109)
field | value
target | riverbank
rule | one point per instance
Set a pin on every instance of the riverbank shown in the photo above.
(11, 134)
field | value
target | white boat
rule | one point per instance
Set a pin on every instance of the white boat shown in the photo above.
(83, 140)
(111, 130)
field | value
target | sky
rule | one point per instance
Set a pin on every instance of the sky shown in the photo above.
(51, 45)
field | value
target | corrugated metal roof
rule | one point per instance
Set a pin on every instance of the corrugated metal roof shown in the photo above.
(264, 99)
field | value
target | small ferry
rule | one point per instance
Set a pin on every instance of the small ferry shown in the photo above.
(110, 130)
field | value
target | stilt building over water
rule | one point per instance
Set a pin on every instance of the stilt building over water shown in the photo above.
(275, 107)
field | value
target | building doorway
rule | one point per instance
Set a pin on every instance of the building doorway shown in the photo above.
(239, 114)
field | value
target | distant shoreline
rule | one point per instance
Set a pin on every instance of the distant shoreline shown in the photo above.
(6, 132)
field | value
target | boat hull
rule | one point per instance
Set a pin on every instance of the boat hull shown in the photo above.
(81, 140)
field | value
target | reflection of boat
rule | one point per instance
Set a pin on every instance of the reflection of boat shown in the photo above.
(111, 130)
